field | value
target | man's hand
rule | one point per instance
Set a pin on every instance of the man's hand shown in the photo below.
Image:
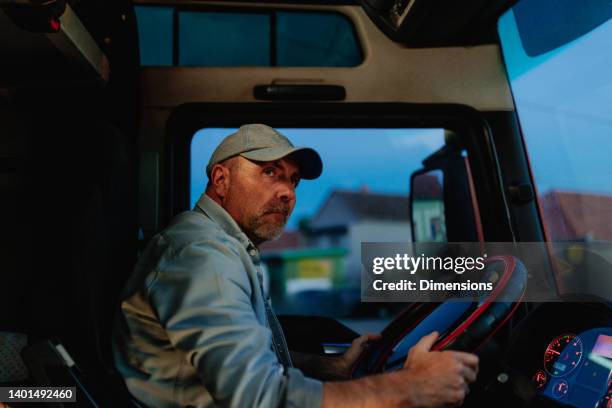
(437, 378)
(429, 379)
(358, 346)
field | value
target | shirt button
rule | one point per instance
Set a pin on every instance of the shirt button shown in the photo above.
(253, 252)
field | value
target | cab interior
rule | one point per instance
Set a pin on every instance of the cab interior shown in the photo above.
(102, 103)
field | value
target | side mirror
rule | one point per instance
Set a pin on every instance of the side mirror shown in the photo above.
(443, 205)
(427, 206)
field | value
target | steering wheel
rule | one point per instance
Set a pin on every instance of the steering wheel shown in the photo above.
(463, 324)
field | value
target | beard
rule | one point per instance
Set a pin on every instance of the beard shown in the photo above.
(259, 229)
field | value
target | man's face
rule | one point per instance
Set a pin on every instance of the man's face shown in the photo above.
(261, 196)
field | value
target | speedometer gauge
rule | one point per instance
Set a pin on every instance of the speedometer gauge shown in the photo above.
(563, 355)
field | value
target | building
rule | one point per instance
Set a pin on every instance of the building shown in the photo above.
(576, 216)
(348, 218)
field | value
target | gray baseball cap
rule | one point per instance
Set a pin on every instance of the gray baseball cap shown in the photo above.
(259, 142)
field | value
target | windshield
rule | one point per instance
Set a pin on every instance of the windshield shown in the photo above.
(558, 63)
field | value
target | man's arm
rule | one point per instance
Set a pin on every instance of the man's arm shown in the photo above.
(324, 368)
(333, 368)
(428, 379)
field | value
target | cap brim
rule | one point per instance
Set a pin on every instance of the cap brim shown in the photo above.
(307, 159)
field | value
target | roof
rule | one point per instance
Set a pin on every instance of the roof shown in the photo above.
(346, 206)
(288, 239)
(375, 206)
(576, 215)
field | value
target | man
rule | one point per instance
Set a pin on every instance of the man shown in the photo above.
(196, 328)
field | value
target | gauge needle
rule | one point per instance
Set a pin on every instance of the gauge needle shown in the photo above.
(553, 351)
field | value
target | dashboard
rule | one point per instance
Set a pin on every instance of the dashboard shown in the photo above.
(563, 352)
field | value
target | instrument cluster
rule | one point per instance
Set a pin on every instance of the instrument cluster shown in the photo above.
(576, 369)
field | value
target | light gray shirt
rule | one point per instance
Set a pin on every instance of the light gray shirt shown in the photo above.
(193, 330)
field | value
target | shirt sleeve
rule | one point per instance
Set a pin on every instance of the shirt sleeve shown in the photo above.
(202, 297)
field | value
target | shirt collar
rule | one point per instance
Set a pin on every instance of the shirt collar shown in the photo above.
(218, 214)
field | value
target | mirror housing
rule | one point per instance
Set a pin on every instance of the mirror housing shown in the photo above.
(443, 204)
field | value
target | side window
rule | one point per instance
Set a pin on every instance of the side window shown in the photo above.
(259, 38)
(362, 196)
(155, 33)
(315, 40)
(223, 39)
